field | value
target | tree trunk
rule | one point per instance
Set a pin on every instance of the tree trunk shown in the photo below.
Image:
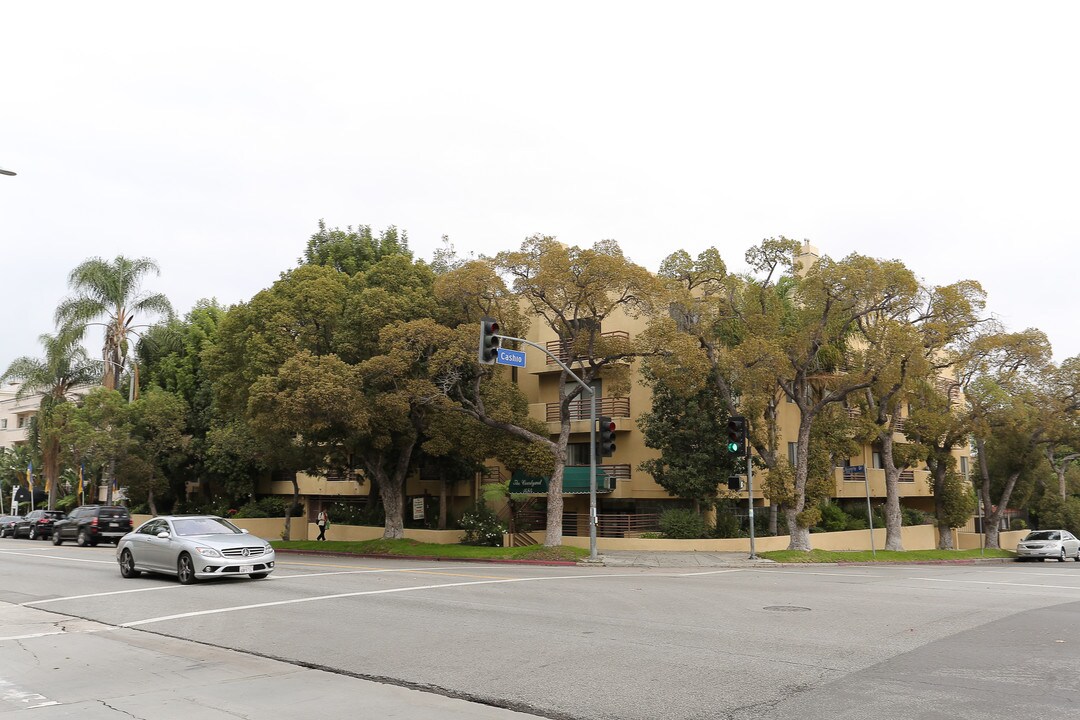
(553, 535)
(894, 519)
(150, 500)
(800, 536)
(289, 510)
(442, 504)
(110, 473)
(51, 461)
(773, 528)
(393, 504)
(938, 469)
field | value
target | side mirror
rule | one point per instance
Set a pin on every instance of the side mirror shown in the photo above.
(244, 530)
(164, 534)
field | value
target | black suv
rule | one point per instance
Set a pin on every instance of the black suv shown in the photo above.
(90, 524)
(37, 525)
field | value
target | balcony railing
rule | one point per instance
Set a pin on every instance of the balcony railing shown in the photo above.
(579, 409)
(564, 351)
(607, 524)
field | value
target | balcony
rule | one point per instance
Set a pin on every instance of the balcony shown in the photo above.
(615, 407)
(564, 351)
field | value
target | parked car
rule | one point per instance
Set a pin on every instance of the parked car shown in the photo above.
(193, 547)
(7, 525)
(1042, 544)
(37, 524)
(90, 524)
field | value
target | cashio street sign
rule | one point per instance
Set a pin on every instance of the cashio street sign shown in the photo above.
(511, 357)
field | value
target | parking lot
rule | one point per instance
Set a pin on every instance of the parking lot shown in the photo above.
(418, 639)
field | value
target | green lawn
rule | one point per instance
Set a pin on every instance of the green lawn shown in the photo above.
(834, 556)
(412, 548)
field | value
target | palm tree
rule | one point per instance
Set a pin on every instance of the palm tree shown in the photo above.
(110, 291)
(64, 368)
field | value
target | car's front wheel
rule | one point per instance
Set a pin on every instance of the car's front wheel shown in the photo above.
(127, 565)
(1061, 557)
(33, 533)
(56, 539)
(185, 570)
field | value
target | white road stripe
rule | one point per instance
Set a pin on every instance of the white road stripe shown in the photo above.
(710, 572)
(58, 557)
(22, 699)
(385, 591)
(991, 582)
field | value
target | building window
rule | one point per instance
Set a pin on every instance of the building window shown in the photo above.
(793, 453)
(578, 454)
(964, 467)
(3, 424)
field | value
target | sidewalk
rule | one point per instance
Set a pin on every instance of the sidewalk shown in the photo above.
(633, 558)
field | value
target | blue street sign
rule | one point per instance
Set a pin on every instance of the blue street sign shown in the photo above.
(511, 357)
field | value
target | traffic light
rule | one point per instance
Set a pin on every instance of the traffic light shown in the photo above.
(489, 344)
(736, 435)
(605, 437)
(734, 482)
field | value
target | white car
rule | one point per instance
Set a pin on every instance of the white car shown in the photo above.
(193, 547)
(1042, 544)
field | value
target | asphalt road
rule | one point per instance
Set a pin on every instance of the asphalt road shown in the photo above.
(339, 637)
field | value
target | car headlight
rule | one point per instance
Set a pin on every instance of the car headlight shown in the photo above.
(207, 552)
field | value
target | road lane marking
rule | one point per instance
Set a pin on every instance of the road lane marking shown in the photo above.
(770, 571)
(57, 557)
(22, 699)
(100, 594)
(991, 582)
(710, 572)
(361, 593)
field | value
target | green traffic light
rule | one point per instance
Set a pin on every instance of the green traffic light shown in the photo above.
(732, 447)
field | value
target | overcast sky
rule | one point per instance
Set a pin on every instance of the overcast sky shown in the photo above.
(212, 137)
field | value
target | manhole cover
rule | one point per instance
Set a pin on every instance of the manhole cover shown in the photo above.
(786, 608)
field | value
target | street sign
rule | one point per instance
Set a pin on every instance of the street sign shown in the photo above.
(511, 357)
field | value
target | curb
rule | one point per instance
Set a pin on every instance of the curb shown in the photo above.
(426, 558)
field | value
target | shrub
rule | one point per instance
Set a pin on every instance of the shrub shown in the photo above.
(915, 517)
(482, 527)
(1018, 524)
(834, 519)
(650, 535)
(682, 523)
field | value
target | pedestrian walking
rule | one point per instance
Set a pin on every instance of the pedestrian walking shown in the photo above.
(323, 521)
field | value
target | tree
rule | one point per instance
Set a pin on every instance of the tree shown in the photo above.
(300, 415)
(64, 368)
(822, 364)
(572, 291)
(352, 251)
(111, 291)
(158, 421)
(1013, 404)
(685, 430)
(911, 343)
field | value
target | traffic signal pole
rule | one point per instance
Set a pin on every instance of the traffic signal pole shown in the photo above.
(592, 429)
(750, 494)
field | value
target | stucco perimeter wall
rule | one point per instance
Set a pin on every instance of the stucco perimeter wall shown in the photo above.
(916, 537)
(1007, 539)
(265, 528)
(358, 533)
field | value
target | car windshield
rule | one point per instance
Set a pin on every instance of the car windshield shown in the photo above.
(1043, 535)
(204, 526)
(54, 514)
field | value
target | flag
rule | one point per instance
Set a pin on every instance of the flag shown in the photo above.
(30, 477)
(79, 492)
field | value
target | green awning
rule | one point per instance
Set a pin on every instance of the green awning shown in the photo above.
(575, 482)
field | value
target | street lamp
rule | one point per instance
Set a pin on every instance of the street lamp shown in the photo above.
(6, 172)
